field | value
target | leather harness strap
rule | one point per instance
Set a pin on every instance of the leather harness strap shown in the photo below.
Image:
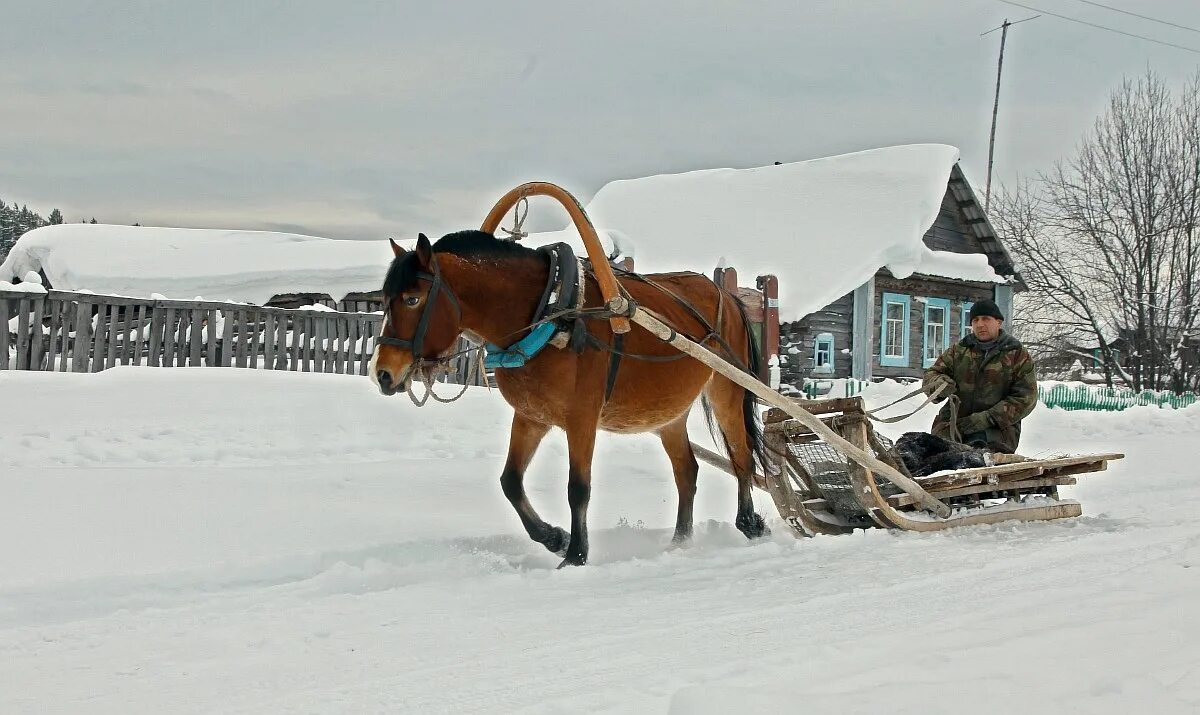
(614, 364)
(417, 342)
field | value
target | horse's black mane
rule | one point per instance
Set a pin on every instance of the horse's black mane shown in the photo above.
(402, 274)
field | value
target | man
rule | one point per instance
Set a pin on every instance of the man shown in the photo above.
(990, 381)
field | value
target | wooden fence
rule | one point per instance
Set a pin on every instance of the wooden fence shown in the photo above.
(85, 332)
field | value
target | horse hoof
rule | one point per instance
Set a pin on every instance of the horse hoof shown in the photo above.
(679, 542)
(572, 561)
(557, 542)
(752, 526)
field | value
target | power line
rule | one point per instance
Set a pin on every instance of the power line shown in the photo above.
(1134, 14)
(1102, 27)
(1008, 24)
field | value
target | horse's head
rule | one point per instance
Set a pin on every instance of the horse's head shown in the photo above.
(421, 319)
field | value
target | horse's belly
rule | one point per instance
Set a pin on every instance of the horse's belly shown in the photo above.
(646, 405)
(646, 396)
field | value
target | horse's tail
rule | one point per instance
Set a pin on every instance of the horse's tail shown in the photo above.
(750, 420)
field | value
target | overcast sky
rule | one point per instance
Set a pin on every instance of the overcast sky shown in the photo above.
(365, 120)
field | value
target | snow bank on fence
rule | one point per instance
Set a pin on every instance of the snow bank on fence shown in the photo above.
(184, 263)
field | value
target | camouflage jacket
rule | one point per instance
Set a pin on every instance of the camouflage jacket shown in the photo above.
(1001, 382)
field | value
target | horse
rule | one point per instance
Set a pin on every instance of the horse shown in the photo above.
(472, 284)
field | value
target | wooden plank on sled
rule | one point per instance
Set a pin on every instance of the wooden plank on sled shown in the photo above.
(812, 519)
(795, 433)
(815, 407)
(903, 500)
(1018, 470)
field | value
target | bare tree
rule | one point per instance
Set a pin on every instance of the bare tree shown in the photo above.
(1107, 240)
(1062, 312)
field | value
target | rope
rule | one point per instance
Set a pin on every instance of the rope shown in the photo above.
(889, 420)
(428, 381)
(953, 404)
(516, 234)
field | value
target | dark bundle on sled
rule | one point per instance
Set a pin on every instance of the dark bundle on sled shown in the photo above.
(924, 454)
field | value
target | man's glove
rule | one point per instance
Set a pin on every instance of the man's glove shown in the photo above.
(935, 380)
(972, 423)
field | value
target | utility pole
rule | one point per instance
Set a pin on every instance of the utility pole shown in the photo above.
(987, 192)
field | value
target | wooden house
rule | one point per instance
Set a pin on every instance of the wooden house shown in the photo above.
(891, 327)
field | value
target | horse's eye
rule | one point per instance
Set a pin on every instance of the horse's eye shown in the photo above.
(412, 300)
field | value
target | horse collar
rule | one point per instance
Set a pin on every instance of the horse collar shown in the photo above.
(565, 286)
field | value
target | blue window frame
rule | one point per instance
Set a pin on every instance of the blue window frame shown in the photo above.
(966, 320)
(893, 330)
(823, 354)
(937, 330)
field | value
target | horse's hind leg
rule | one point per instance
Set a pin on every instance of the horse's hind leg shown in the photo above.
(523, 441)
(726, 399)
(675, 441)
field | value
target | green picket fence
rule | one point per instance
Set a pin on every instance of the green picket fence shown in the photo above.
(1108, 399)
(814, 389)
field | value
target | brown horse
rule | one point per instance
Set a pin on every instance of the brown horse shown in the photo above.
(474, 284)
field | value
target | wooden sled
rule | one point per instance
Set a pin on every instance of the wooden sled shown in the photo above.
(818, 491)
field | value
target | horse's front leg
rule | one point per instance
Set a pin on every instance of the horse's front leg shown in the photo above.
(523, 441)
(581, 443)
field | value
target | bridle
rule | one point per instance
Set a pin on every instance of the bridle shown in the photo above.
(416, 343)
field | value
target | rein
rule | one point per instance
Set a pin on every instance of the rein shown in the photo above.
(889, 420)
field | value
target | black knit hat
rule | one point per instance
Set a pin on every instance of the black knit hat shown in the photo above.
(985, 307)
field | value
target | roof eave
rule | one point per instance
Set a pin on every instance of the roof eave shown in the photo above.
(979, 224)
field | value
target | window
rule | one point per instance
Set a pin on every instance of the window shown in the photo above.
(823, 354)
(937, 337)
(966, 320)
(893, 330)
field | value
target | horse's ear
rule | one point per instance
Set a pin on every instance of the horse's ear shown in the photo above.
(424, 251)
(397, 249)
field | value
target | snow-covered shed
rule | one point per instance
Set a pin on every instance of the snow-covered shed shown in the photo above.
(879, 254)
(259, 267)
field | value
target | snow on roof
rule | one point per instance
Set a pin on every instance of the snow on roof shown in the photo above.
(183, 263)
(823, 226)
(963, 266)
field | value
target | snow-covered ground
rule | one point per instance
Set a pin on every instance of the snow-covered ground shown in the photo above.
(233, 541)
